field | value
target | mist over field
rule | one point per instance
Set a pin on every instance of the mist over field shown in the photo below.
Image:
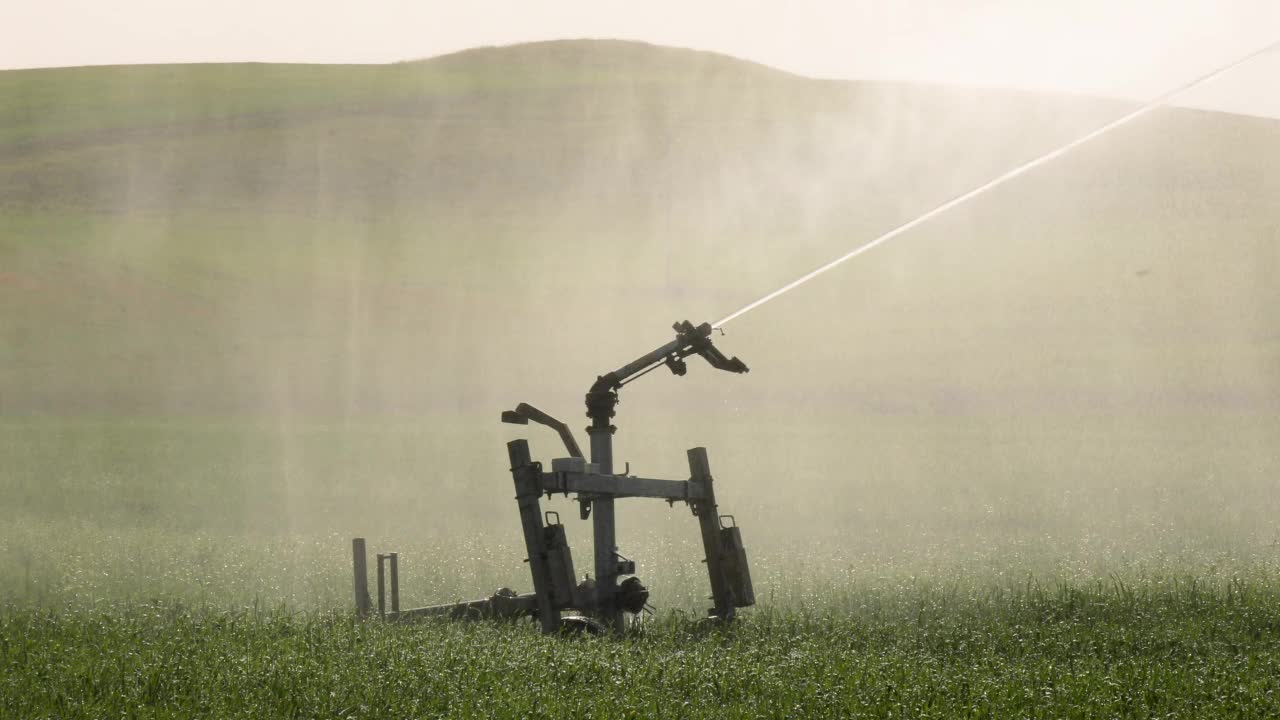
(250, 311)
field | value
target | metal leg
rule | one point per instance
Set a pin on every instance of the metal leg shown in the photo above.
(528, 493)
(604, 534)
(709, 522)
(606, 563)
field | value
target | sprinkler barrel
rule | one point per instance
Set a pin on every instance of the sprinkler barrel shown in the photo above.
(690, 340)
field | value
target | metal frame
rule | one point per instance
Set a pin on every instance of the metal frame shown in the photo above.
(604, 599)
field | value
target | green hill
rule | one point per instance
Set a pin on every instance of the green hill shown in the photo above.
(438, 240)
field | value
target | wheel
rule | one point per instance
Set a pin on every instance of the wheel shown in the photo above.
(581, 625)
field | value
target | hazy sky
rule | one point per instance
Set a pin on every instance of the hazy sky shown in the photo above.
(1134, 48)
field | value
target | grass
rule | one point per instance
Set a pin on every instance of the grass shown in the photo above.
(152, 569)
(1181, 649)
(139, 620)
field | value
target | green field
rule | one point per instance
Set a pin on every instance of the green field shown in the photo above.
(1157, 649)
(143, 580)
(1021, 463)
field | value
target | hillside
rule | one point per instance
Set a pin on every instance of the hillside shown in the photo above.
(441, 239)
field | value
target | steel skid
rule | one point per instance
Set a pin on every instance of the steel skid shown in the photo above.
(599, 604)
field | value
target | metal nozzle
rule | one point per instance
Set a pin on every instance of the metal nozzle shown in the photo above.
(525, 412)
(514, 418)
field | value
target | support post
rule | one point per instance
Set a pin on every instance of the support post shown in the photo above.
(382, 587)
(527, 476)
(395, 582)
(604, 533)
(359, 564)
(709, 522)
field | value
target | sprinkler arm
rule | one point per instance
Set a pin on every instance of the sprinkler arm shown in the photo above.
(690, 339)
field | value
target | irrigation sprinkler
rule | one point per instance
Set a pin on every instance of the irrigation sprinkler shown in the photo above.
(597, 604)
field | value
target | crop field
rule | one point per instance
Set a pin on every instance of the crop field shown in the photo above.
(139, 578)
(199, 608)
(1159, 648)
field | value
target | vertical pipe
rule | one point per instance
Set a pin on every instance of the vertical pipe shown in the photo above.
(709, 523)
(604, 533)
(359, 565)
(382, 588)
(528, 493)
(395, 582)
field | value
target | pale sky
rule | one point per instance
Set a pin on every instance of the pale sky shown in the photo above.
(1124, 48)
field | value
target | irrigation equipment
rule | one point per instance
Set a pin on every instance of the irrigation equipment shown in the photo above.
(559, 601)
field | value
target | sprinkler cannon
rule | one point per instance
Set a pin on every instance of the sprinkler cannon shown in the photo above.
(598, 604)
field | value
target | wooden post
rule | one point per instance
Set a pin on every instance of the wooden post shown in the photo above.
(709, 522)
(359, 564)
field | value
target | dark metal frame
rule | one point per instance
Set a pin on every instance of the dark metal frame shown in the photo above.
(597, 487)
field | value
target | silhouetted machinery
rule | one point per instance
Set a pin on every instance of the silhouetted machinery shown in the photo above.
(558, 600)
